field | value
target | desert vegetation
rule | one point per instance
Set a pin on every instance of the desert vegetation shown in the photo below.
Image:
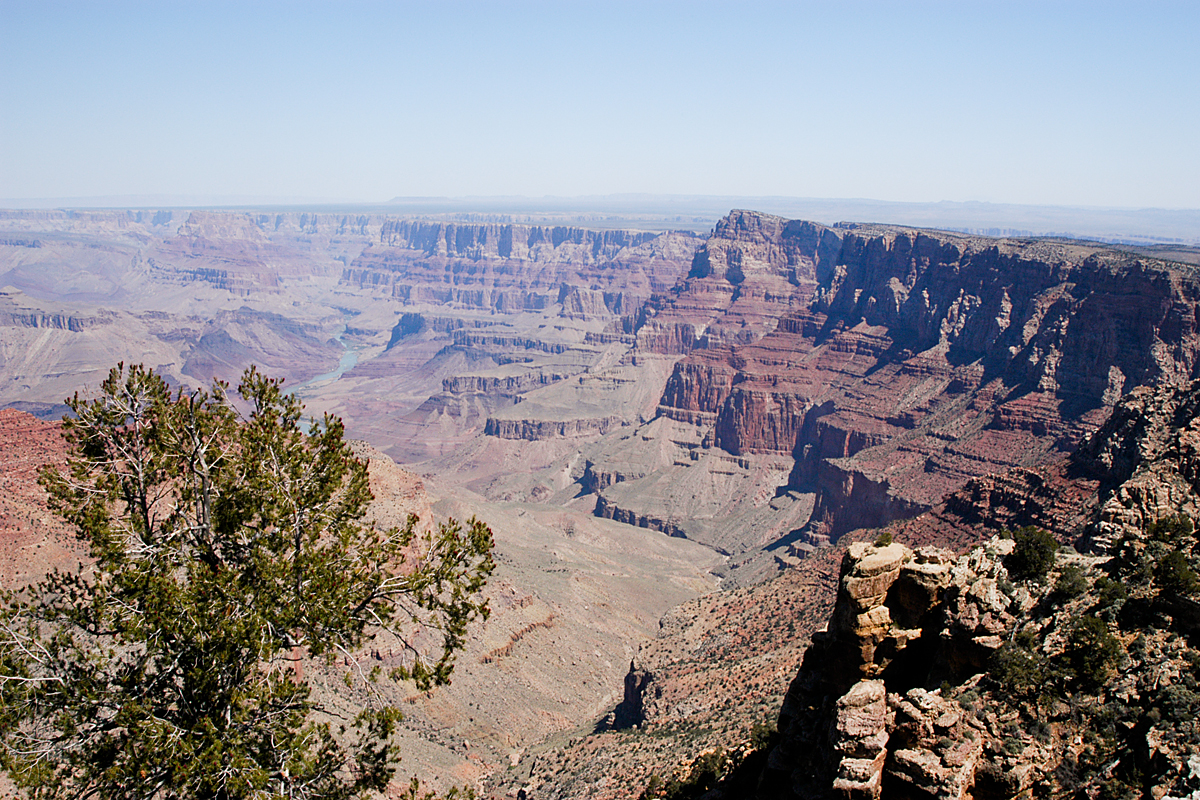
(224, 550)
(640, 416)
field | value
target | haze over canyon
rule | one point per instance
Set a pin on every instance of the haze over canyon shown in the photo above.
(671, 433)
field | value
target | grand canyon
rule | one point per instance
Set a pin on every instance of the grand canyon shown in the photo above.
(686, 444)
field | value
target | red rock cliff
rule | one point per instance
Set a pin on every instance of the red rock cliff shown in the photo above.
(895, 364)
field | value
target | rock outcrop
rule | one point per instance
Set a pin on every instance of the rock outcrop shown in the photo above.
(858, 674)
(501, 386)
(16, 311)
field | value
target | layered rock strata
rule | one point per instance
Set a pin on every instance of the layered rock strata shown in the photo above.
(515, 268)
(893, 365)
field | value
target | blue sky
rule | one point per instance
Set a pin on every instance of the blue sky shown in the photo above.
(1094, 104)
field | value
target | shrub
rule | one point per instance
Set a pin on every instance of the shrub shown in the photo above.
(1116, 790)
(1020, 670)
(1178, 703)
(1136, 566)
(1092, 651)
(1172, 530)
(1013, 746)
(1071, 582)
(707, 770)
(1174, 575)
(1110, 592)
(653, 787)
(762, 736)
(1033, 555)
(883, 539)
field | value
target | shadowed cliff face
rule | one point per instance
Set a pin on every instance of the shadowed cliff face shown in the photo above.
(1054, 318)
(893, 364)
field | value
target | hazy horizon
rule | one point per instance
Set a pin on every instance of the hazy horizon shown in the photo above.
(1027, 103)
(699, 213)
(218, 201)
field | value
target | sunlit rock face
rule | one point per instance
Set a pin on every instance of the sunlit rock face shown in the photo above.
(891, 365)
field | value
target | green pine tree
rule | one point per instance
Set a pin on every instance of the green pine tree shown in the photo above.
(222, 549)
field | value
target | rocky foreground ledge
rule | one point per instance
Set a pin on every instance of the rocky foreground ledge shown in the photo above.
(852, 720)
(945, 677)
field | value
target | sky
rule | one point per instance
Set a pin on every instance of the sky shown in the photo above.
(1059, 103)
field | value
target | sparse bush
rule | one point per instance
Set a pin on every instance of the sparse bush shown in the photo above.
(1110, 592)
(1174, 576)
(653, 787)
(1071, 582)
(1020, 670)
(1178, 703)
(1116, 790)
(706, 771)
(1033, 556)
(1193, 660)
(454, 793)
(1171, 530)
(883, 539)
(762, 736)
(1092, 651)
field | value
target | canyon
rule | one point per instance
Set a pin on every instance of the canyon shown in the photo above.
(642, 417)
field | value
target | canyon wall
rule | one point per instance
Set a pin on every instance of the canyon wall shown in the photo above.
(818, 379)
(389, 310)
(515, 268)
(925, 660)
(894, 364)
(119, 255)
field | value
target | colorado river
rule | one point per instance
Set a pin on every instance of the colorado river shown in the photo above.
(345, 364)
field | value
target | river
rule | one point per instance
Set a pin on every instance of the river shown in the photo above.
(345, 364)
